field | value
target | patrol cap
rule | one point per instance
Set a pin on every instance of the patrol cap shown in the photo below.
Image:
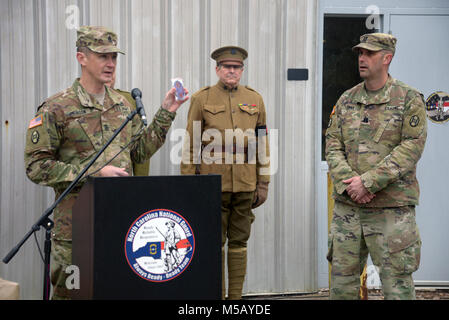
(97, 39)
(229, 53)
(377, 42)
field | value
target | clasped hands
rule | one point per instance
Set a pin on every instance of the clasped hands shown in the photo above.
(357, 190)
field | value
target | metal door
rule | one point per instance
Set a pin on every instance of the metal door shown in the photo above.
(422, 62)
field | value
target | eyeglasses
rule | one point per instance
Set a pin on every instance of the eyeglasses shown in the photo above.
(232, 66)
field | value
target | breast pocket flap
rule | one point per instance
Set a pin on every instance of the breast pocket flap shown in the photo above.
(214, 109)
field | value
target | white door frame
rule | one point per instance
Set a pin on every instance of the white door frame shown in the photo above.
(352, 8)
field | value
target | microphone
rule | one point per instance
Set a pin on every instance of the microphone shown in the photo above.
(137, 96)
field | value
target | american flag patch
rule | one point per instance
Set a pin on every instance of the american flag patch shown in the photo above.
(35, 122)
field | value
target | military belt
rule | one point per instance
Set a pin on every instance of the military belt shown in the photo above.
(235, 150)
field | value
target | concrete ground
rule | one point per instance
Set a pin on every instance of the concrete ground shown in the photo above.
(373, 294)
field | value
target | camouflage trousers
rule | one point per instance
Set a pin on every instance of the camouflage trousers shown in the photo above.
(236, 220)
(61, 258)
(389, 235)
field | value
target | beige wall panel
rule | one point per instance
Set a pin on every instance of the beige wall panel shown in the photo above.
(163, 39)
(20, 201)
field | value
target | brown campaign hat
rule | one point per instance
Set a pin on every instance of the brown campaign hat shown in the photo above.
(377, 42)
(229, 53)
(97, 39)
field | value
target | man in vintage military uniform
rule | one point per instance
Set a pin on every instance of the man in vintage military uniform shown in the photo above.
(72, 126)
(375, 138)
(139, 169)
(232, 122)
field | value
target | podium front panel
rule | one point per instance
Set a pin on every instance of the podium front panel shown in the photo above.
(151, 238)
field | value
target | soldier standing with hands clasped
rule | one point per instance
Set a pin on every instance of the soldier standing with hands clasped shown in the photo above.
(72, 126)
(376, 136)
(227, 113)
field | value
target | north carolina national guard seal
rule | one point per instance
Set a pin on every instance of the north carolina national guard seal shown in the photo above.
(159, 245)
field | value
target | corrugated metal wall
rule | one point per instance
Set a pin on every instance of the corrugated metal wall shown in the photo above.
(164, 39)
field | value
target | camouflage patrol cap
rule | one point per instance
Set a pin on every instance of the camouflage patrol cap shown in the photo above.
(377, 42)
(229, 53)
(97, 39)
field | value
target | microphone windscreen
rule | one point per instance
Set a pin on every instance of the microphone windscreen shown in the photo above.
(136, 93)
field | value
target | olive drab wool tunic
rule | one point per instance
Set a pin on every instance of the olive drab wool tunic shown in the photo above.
(228, 136)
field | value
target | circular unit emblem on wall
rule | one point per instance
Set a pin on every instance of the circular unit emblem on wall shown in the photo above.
(159, 245)
(437, 107)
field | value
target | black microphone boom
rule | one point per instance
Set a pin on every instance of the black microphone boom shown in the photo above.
(137, 96)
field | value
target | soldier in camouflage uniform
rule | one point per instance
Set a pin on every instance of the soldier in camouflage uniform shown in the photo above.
(376, 136)
(72, 126)
(229, 107)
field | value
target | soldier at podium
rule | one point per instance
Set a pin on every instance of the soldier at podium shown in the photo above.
(70, 127)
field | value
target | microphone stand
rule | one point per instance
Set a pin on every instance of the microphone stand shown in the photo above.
(45, 222)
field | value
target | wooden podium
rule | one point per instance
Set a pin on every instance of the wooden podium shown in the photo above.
(148, 238)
